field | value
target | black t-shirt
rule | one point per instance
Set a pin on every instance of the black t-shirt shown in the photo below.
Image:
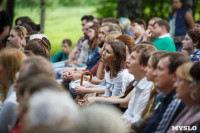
(4, 20)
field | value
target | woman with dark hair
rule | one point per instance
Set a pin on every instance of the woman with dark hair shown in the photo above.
(93, 55)
(21, 20)
(138, 27)
(116, 76)
(180, 21)
(191, 44)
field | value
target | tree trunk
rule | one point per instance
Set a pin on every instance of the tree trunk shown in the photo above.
(130, 8)
(42, 17)
(10, 6)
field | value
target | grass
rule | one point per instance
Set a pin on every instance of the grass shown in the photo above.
(60, 23)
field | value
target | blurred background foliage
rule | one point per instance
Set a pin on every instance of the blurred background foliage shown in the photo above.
(62, 17)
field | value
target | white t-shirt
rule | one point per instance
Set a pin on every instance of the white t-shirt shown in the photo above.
(117, 85)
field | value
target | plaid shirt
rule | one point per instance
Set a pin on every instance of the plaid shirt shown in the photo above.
(165, 114)
(79, 47)
(195, 56)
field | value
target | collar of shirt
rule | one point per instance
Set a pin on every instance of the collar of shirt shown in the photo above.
(135, 83)
(197, 52)
(170, 96)
(165, 35)
(143, 83)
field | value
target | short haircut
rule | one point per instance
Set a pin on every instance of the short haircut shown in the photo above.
(163, 23)
(68, 41)
(140, 22)
(145, 51)
(155, 57)
(87, 18)
(195, 71)
(194, 34)
(155, 19)
(175, 60)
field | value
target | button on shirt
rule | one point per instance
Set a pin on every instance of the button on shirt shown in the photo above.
(139, 99)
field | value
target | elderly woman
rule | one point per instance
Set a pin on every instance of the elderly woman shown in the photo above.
(190, 116)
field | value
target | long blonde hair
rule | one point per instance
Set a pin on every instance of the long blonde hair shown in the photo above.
(10, 60)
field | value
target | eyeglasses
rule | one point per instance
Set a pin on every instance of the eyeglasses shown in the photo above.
(183, 80)
(195, 82)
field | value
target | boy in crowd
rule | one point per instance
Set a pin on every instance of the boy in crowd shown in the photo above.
(63, 55)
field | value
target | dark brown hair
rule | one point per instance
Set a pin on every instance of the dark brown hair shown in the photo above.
(94, 42)
(175, 60)
(156, 57)
(163, 23)
(120, 54)
(145, 51)
(68, 41)
(140, 22)
(194, 34)
(127, 40)
(195, 71)
(24, 19)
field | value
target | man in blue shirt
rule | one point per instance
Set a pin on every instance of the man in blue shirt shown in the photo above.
(170, 106)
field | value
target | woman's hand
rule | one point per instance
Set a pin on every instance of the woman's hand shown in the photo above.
(92, 99)
(80, 89)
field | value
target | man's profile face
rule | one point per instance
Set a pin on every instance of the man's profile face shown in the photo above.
(163, 78)
(157, 30)
(133, 63)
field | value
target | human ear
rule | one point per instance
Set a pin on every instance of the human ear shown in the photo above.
(196, 43)
(143, 67)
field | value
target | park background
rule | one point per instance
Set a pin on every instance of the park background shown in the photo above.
(62, 17)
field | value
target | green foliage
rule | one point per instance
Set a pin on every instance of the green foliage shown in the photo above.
(106, 8)
(60, 22)
(159, 8)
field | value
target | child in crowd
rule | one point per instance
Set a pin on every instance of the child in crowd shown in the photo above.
(63, 55)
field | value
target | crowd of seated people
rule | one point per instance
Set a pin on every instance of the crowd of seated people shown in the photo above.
(112, 81)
